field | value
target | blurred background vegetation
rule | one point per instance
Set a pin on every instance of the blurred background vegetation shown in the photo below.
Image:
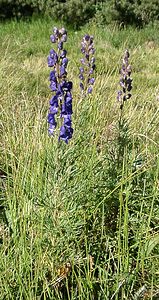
(78, 12)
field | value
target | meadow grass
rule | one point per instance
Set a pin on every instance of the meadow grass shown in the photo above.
(79, 221)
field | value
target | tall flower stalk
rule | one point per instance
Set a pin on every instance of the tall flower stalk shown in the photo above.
(61, 101)
(87, 65)
(123, 95)
(125, 81)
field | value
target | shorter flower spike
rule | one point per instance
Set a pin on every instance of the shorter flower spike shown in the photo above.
(125, 81)
(88, 65)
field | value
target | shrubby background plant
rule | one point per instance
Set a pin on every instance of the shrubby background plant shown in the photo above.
(73, 12)
(19, 8)
(78, 12)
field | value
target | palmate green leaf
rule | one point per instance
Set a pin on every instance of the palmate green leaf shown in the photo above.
(151, 244)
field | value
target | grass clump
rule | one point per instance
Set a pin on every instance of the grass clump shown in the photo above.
(77, 222)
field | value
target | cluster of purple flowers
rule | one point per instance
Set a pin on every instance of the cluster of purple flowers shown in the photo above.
(88, 64)
(125, 81)
(61, 101)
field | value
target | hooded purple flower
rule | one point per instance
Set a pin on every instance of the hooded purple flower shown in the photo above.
(67, 105)
(51, 119)
(54, 105)
(53, 38)
(52, 58)
(53, 85)
(66, 130)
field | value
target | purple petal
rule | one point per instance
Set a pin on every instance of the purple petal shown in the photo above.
(89, 91)
(63, 53)
(51, 119)
(91, 81)
(51, 129)
(64, 38)
(65, 61)
(82, 61)
(50, 62)
(81, 86)
(53, 38)
(65, 133)
(81, 77)
(55, 30)
(62, 31)
(52, 75)
(119, 95)
(60, 45)
(81, 70)
(87, 37)
(53, 100)
(62, 71)
(53, 86)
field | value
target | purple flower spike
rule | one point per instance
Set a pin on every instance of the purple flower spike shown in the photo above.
(61, 101)
(88, 64)
(125, 80)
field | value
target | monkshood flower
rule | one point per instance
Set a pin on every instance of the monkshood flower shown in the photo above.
(61, 101)
(87, 65)
(125, 81)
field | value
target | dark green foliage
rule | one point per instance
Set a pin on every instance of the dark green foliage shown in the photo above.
(73, 12)
(146, 10)
(138, 12)
(78, 12)
(18, 8)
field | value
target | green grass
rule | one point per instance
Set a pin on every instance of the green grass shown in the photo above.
(77, 205)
